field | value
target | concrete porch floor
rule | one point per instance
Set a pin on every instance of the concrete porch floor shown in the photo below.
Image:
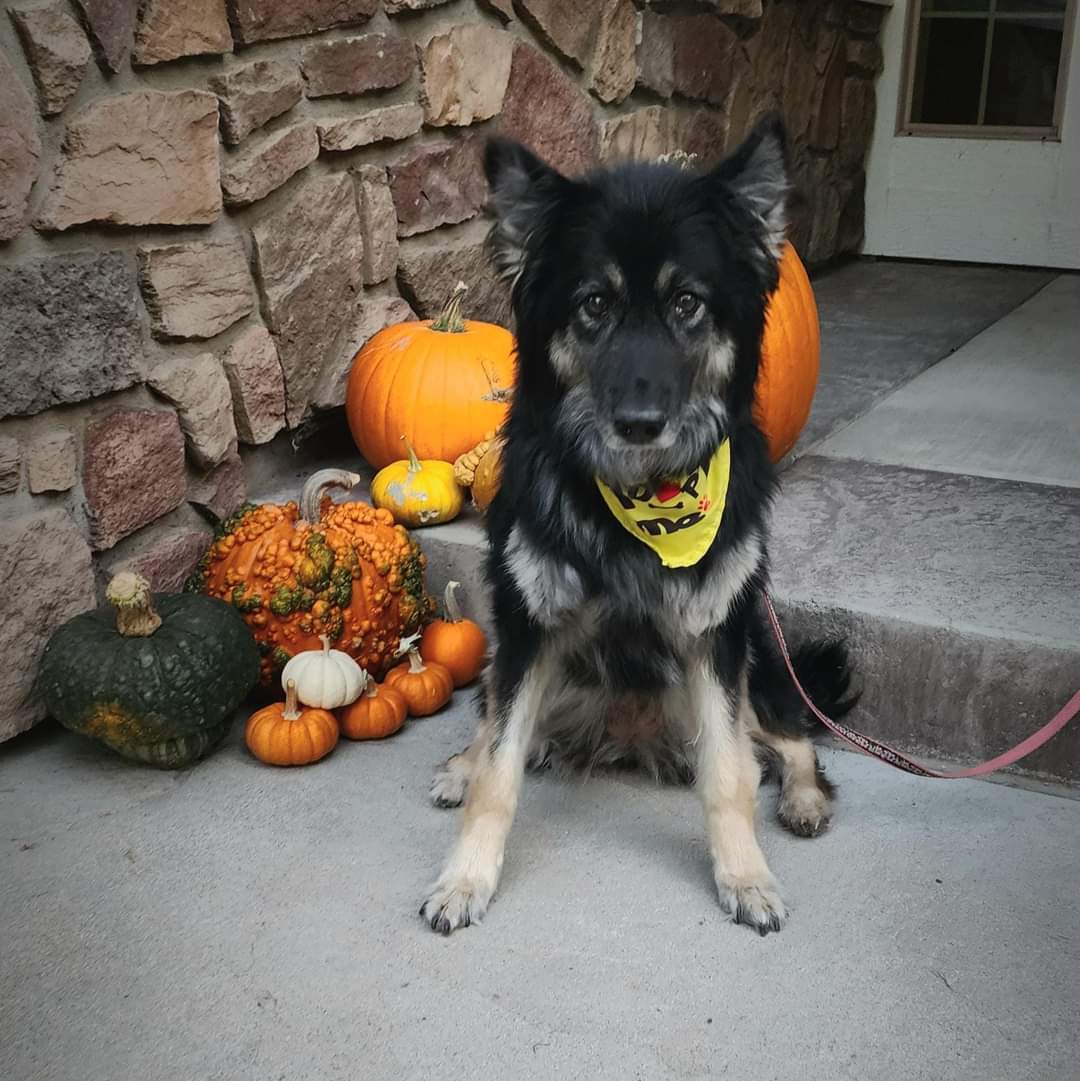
(235, 922)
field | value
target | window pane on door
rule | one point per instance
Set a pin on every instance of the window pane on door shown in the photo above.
(1024, 58)
(950, 6)
(948, 75)
(1049, 7)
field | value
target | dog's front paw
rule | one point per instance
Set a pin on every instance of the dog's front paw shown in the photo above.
(455, 904)
(753, 902)
(805, 810)
(449, 785)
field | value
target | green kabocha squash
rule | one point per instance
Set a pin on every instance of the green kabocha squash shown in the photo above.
(154, 678)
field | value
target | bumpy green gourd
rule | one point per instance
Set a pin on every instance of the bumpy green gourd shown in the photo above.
(156, 679)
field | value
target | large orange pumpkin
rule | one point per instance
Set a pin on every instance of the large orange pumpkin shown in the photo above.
(790, 353)
(441, 383)
(344, 570)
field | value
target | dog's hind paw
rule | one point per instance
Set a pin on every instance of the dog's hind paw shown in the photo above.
(806, 811)
(757, 904)
(455, 904)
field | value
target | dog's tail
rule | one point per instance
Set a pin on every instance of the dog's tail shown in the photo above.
(824, 669)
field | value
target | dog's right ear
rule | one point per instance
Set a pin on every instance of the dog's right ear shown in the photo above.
(523, 191)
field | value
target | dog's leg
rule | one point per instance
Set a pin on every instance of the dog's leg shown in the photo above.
(451, 781)
(727, 779)
(805, 805)
(467, 883)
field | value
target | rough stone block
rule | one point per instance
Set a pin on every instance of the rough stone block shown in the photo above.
(564, 130)
(51, 464)
(438, 185)
(169, 29)
(254, 373)
(195, 290)
(20, 148)
(256, 171)
(378, 220)
(308, 255)
(142, 158)
(687, 54)
(56, 50)
(864, 57)
(255, 93)
(45, 560)
(430, 267)
(375, 313)
(357, 65)
(503, 8)
(110, 24)
(261, 20)
(198, 388)
(396, 7)
(70, 330)
(464, 74)
(390, 122)
(163, 556)
(10, 464)
(221, 491)
(613, 64)
(133, 471)
(567, 25)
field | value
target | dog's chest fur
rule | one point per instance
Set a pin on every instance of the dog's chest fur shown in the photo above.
(639, 632)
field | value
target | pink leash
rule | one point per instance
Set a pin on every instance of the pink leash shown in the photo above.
(892, 756)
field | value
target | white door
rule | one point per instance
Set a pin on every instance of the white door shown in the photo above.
(976, 148)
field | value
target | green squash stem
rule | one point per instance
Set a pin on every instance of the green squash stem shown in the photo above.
(311, 496)
(129, 594)
(450, 320)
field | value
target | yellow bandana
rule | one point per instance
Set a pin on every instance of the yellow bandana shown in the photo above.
(677, 519)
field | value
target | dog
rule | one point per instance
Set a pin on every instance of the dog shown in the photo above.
(628, 541)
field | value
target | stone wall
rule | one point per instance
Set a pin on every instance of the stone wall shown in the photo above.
(208, 205)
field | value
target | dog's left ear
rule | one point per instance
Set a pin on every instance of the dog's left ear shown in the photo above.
(523, 191)
(758, 177)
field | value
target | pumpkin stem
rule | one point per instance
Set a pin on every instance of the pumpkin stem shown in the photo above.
(129, 594)
(314, 490)
(450, 602)
(416, 662)
(291, 712)
(325, 639)
(450, 320)
(414, 462)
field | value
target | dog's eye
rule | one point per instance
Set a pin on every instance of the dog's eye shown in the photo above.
(686, 305)
(594, 305)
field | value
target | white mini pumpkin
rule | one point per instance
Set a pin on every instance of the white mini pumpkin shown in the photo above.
(326, 678)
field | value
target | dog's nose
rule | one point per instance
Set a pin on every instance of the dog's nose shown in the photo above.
(639, 425)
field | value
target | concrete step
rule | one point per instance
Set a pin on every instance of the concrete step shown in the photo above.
(883, 323)
(958, 594)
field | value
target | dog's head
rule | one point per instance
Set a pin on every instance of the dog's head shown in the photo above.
(639, 294)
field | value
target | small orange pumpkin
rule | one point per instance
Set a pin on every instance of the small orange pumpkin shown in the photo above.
(286, 734)
(455, 642)
(442, 383)
(790, 356)
(379, 712)
(425, 686)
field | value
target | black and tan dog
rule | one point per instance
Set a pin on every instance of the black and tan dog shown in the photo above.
(628, 541)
